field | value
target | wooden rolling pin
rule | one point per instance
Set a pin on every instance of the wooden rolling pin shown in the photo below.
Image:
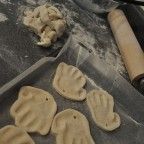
(128, 45)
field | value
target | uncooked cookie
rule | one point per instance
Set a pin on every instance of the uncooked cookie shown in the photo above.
(71, 127)
(47, 22)
(34, 110)
(101, 106)
(69, 82)
(14, 135)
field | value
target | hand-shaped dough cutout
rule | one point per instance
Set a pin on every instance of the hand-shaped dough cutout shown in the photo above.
(14, 135)
(34, 110)
(69, 82)
(101, 106)
(71, 127)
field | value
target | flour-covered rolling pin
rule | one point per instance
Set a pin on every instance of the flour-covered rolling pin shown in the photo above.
(128, 45)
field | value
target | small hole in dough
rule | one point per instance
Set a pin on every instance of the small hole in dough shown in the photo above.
(46, 99)
(90, 51)
(25, 93)
(74, 117)
(63, 90)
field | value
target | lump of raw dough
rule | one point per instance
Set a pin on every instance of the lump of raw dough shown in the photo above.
(69, 82)
(14, 135)
(71, 127)
(47, 22)
(34, 110)
(101, 106)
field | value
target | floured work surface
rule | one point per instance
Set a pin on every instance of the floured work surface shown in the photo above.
(18, 49)
(128, 102)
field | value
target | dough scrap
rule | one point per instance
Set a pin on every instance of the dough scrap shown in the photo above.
(14, 135)
(71, 127)
(47, 22)
(69, 82)
(101, 106)
(34, 110)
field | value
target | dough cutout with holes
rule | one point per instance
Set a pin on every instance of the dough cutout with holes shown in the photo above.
(69, 82)
(47, 22)
(71, 127)
(34, 110)
(101, 106)
(14, 135)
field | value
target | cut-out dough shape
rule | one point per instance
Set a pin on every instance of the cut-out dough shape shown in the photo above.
(101, 106)
(69, 82)
(71, 127)
(47, 22)
(14, 135)
(34, 110)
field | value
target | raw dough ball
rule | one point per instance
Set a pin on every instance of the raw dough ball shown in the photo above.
(47, 37)
(14, 135)
(34, 110)
(71, 127)
(47, 22)
(101, 106)
(69, 82)
(59, 27)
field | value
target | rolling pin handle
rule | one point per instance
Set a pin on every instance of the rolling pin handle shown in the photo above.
(142, 84)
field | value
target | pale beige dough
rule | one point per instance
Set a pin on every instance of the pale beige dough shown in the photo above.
(101, 106)
(69, 82)
(34, 110)
(14, 135)
(71, 127)
(47, 22)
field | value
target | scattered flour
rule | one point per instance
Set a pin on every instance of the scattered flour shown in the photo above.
(37, 2)
(31, 2)
(5, 1)
(26, 56)
(67, 14)
(3, 17)
(14, 60)
(103, 27)
(111, 55)
(82, 35)
(114, 58)
(41, 2)
(93, 83)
